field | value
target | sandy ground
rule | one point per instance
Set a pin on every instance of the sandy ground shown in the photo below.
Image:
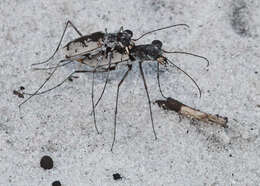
(59, 123)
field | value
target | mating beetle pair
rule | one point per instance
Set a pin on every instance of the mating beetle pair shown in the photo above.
(102, 52)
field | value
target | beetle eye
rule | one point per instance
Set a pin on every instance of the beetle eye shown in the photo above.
(157, 43)
(129, 32)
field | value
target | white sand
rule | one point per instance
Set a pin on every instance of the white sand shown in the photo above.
(59, 123)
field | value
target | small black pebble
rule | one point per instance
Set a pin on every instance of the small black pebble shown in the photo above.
(117, 176)
(230, 155)
(256, 72)
(17, 93)
(46, 162)
(56, 183)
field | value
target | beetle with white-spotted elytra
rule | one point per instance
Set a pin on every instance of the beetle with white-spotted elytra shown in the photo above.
(102, 52)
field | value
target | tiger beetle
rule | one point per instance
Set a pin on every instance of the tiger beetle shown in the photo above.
(102, 52)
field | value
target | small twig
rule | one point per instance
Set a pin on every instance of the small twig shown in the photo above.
(189, 112)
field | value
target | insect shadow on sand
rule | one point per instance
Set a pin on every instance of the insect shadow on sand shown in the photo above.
(240, 18)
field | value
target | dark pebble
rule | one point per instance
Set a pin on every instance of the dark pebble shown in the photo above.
(46, 162)
(56, 183)
(117, 176)
(17, 93)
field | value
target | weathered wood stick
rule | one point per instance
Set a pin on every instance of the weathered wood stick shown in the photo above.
(189, 112)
